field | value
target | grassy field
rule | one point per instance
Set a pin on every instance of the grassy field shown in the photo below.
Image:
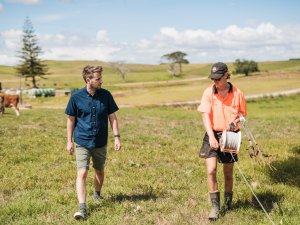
(148, 85)
(157, 178)
(67, 74)
(166, 92)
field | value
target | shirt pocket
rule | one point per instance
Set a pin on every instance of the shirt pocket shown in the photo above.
(102, 109)
(235, 109)
(83, 111)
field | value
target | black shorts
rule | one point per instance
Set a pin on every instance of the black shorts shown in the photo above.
(207, 152)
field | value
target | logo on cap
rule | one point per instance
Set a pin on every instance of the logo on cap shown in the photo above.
(214, 69)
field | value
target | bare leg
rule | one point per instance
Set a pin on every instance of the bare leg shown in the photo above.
(98, 179)
(81, 185)
(228, 176)
(211, 168)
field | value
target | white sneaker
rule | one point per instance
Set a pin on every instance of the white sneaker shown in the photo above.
(80, 215)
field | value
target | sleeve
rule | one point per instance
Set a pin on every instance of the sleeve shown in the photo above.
(112, 105)
(242, 104)
(71, 109)
(205, 104)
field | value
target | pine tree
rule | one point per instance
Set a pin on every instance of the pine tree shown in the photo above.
(31, 66)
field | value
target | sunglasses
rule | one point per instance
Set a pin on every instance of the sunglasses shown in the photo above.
(217, 79)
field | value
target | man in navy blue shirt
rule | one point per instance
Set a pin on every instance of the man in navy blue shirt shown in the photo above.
(89, 111)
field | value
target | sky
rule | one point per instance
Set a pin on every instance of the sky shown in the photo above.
(142, 31)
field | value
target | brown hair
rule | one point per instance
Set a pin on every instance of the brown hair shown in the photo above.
(229, 74)
(88, 71)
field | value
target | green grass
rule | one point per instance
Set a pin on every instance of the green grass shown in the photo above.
(156, 178)
(9, 70)
(292, 65)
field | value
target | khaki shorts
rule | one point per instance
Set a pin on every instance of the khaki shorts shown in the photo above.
(83, 156)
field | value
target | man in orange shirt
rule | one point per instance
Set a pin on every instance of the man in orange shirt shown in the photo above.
(220, 107)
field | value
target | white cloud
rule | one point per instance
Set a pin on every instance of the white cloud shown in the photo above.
(11, 38)
(260, 43)
(77, 53)
(54, 40)
(6, 59)
(29, 2)
(9, 45)
(262, 34)
(101, 36)
(263, 42)
(63, 47)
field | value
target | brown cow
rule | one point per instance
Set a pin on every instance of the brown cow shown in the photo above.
(1, 105)
(9, 101)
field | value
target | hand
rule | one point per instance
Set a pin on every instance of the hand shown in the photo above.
(70, 148)
(213, 142)
(232, 126)
(117, 144)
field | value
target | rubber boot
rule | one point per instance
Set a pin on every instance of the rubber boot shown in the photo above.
(228, 201)
(215, 201)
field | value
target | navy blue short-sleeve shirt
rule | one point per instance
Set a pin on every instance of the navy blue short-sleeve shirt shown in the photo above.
(91, 113)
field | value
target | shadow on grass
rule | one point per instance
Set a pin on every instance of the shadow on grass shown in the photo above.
(287, 171)
(132, 198)
(267, 199)
(296, 150)
(118, 198)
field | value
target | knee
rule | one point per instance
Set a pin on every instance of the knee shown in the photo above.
(82, 174)
(212, 172)
(99, 172)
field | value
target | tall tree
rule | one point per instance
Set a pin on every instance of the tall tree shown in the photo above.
(177, 57)
(30, 66)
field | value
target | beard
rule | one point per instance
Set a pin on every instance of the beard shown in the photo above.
(96, 87)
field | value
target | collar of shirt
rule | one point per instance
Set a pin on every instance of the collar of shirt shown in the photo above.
(88, 94)
(216, 90)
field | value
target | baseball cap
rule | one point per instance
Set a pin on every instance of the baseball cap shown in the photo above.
(218, 70)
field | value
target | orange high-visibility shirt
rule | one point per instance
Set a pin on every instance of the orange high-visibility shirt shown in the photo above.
(223, 111)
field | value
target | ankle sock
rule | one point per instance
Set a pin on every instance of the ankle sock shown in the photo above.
(82, 206)
(96, 194)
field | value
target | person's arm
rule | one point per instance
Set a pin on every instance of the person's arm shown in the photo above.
(208, 127)
(70, 130)
(114, 126)
(242, 109)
